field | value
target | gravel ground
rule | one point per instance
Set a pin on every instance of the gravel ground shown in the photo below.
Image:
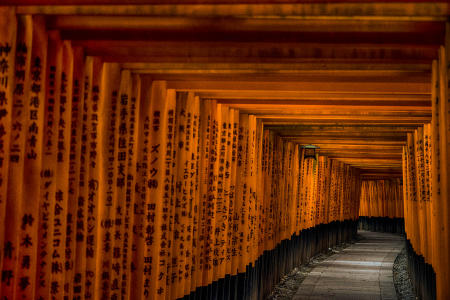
(402, 281)
(289, 284)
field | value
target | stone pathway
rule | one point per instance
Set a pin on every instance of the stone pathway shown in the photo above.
(362, 271)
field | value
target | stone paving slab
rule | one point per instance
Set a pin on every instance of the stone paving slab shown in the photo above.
(362, 271)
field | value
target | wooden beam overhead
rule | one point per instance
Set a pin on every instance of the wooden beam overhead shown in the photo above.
(336, 108)
(352, 77)
(352, 144)
(347, 118)
(318, 66)
(356, 37)
(281, 121)
(173, 51)
(423, 106)
(371, 161)
(359, 9)
(272, 97)
(362, 155)
(332, 87)
(346, 141)
(306, 130)
(232, 24)
(341, 135)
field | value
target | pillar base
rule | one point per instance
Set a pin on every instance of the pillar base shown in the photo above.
(421, 273)
(382, 224)
(259, 279)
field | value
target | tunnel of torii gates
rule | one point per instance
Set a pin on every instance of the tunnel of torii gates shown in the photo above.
(160, 150)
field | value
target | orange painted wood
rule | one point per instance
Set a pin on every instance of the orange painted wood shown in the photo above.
(140, 264)
(168, 142)
(48, 190)
(195, 261)
(110, 99)
(12, 30)
(443, 290)
(74, 170)
(18, 191)
(61, 156)
(346, 9)
(381, 198)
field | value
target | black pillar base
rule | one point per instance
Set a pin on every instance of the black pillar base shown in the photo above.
(259, 279)
(382, 224)
(421, 273)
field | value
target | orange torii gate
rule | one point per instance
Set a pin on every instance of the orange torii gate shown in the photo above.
(186, 176)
